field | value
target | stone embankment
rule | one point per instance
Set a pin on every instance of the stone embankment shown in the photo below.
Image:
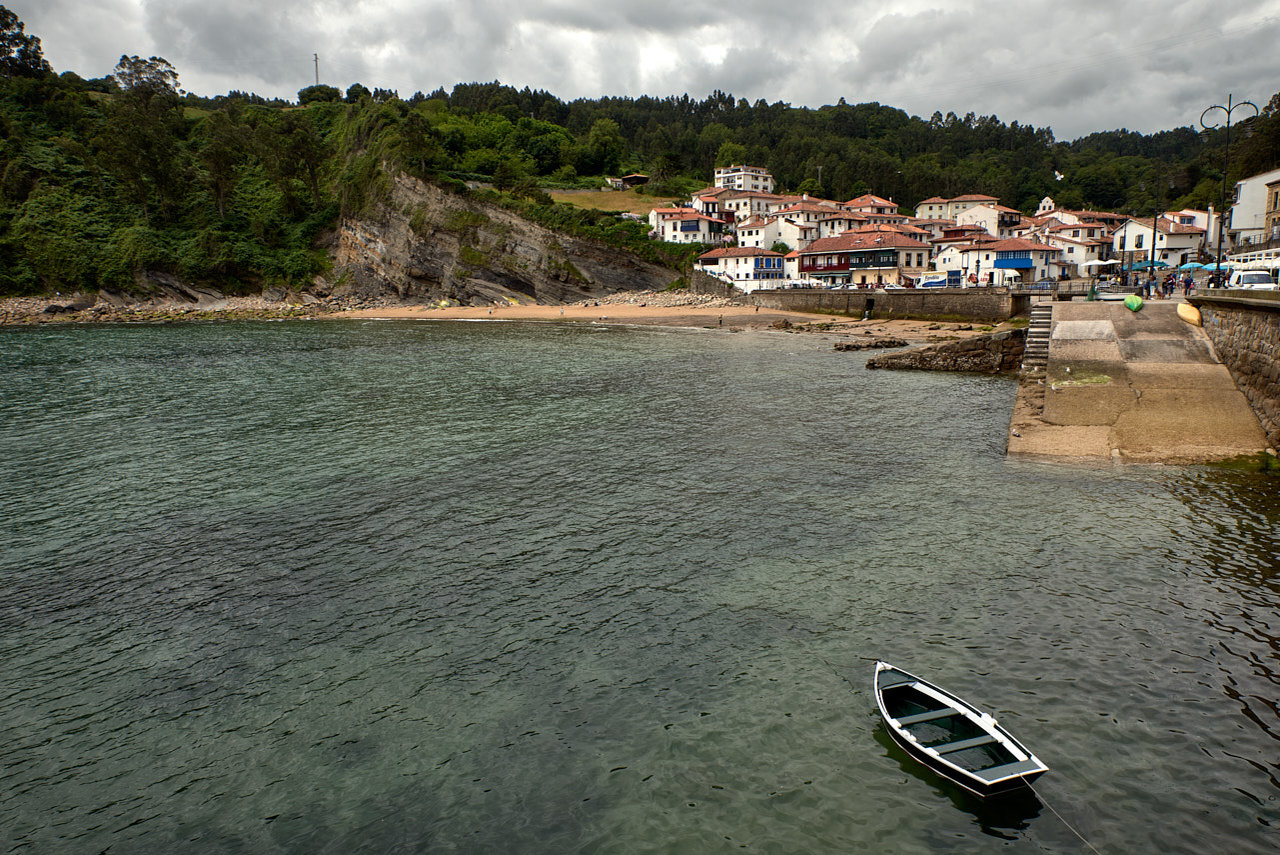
(1245, 331)
(989, 354)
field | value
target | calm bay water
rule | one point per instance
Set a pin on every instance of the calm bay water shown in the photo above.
(397, 587)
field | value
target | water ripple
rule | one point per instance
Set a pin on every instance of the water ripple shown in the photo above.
(469, 588)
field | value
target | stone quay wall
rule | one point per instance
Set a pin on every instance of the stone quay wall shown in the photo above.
(934, 304)
(988, 354)
(1245, 330)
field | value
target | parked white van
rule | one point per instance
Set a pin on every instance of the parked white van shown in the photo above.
(1256, 279)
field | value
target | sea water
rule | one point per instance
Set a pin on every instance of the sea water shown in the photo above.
(350, 586)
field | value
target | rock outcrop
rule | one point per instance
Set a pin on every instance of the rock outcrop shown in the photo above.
(424, 244)
(989, 354)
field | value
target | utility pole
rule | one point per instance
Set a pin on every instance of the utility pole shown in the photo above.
(316, 56)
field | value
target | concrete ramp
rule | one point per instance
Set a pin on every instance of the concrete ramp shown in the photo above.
(1138, 387)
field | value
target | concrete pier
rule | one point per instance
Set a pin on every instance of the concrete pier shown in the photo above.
(1134, 387)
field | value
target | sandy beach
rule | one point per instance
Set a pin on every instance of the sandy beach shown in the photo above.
(678, 310)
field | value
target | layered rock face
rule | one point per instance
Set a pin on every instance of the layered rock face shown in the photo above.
(429, 245)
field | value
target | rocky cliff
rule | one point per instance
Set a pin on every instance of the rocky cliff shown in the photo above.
(424, 244)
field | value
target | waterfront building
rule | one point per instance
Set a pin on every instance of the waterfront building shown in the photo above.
(746, 268)
(1248, 221)
(864, 259)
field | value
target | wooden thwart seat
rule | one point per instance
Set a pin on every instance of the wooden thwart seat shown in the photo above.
(927, 716)
(964, 744)
(1007, 770)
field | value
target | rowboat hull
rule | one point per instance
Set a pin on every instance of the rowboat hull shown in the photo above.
(952, 737)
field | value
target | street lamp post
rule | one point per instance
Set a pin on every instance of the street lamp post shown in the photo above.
(1226, 160)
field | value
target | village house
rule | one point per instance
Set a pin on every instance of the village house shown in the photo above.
(1078, 245)
(710, 201)
(685, 225)
(870, 204)
(837, 224)
(747, 268)
(1273, 213)
(758, 232)
(1174, 244)
(937, 208)
(796, 234)
(994, 219)
(1000, 262)
(745, 204)
(1248, 220)
(754, 178)
(864, 259)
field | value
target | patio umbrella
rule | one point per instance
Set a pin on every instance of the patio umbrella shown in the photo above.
(1191, 265)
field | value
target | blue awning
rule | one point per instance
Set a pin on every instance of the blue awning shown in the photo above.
(1015, 263)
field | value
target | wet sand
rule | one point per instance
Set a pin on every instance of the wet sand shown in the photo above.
(730, 317)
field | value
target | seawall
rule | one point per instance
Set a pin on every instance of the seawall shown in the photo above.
(985, 304)
(1244, 327)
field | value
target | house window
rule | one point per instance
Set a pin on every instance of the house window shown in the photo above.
(1137, 244)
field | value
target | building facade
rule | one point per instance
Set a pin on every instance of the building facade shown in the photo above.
(752, 178)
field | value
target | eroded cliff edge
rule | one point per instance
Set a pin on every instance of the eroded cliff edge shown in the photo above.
(425, 244)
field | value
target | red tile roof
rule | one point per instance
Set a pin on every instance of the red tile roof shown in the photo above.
(738, 252)
(852, 241)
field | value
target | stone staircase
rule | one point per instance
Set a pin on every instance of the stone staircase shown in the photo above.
(1036, 356)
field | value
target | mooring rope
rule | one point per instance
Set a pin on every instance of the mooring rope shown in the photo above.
(1061, 818)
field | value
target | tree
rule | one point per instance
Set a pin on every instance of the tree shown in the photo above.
(147, 80)
(20, 54)
(141, 137)
(224, 148)
(319, 94)
(731, 154)
(356, 91)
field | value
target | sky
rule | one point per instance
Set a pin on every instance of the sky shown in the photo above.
(1076, 67)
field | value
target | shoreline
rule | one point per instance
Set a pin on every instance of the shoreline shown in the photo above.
(657, 309)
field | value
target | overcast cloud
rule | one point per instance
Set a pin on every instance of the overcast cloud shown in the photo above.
(1077, 67)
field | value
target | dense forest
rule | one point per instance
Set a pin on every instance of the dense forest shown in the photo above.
(106, 177)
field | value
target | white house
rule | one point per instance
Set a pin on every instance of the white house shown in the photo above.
(685, 225)
(758, 232)
(755, 178)
(1248, 220)
(869, 203)
(747, 268)
(1001, 262)
(997, 220)
(744, 204)
(1175, 244)
(937, 208)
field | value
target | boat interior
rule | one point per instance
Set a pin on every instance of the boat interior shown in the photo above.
(943, 728)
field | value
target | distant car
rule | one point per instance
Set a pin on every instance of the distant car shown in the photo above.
(1259, 280)
(891, 286)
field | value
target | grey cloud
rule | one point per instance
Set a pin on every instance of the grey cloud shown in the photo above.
(1092, 65)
